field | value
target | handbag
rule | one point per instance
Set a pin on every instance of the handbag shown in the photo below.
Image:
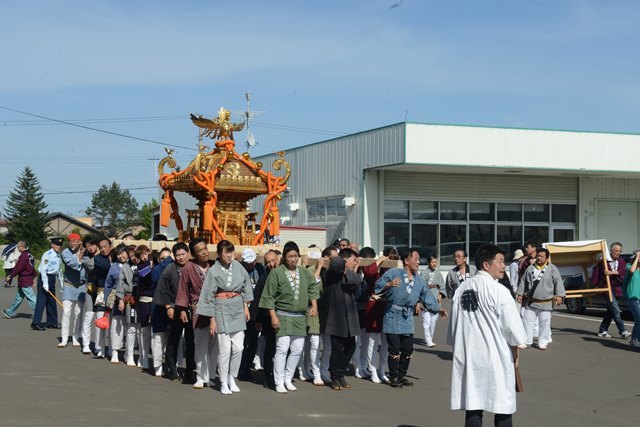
(103, 322)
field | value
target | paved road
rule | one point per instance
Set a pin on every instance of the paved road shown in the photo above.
(581, 380)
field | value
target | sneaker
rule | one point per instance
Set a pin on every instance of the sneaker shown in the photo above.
(395, 382)
(625, 334)
(431, 345)
(199, 385)
(374, 377)
(280, 388)
(86, 350)
(232, 384)
(6, 315)
(289, 386)
(224, 388)
(604, 334)
(635, 343)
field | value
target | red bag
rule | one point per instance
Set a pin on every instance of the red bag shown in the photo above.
(103, 322)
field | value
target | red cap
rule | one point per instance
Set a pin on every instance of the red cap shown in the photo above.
(74, 236)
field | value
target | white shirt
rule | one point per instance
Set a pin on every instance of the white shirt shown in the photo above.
(484, 324)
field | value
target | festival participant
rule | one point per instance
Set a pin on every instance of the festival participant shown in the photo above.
(616, 273)
(359, 358)
(224, 299)
(90, 250)
(435, 282)
(145, 302)
(101, 267)
(458, 274)
(328, 253)
(196, 328)
(632, 293)
(126, 293)
(26, 275)
(263, 320)
(309, 365)
(287, 294)
(404, 288)
(341, 286)
(10, 256)
(374, 314)
(116, 330)
(485, 331)
(49, 270)
(250, 345)
(165, 298)
(542, 286)
(74, 286)
(159, 319)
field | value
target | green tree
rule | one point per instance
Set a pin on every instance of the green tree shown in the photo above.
(114, 210)
(26, 212)
(146, 219)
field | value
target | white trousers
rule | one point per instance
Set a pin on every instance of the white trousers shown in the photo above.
(99, 335)
(325, 340)
(205, 354)
(145, 345)
(230, 354)
(133, 334)
(117, 332)
(87, 320)
(284, 367)
(312, 355)
(159, 343)
(429, 321)
(377, 345)
(543, 319)
(359, 355)
(69, 307)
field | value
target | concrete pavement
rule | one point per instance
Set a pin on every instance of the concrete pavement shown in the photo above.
(582, 380)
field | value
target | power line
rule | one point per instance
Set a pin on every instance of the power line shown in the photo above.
(55, 193)
(91, 121)
(98, 130)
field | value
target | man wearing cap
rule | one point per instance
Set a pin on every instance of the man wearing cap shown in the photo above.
(26, 275)
(74, 286)
(49, 269)
(513, 269)
(254, 270)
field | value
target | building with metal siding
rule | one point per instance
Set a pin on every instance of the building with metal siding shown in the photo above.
(442, 187)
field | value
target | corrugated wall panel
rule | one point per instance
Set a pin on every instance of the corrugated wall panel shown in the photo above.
(496, 188)
(334, 168)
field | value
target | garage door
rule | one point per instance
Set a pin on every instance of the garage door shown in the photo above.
(618, 222)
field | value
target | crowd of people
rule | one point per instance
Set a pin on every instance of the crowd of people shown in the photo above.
(308, 318)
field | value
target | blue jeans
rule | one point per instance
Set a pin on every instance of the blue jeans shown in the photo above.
(45, 300)
(613, 313)
(634, 306)
(20, 296)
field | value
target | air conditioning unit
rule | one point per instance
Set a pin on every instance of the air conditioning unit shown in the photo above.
(349, 201)
(294, 207)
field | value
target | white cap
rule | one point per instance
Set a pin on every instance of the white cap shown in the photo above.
(248, 255)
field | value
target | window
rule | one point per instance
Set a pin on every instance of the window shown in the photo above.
(536, 212)
(481, 212)
(510, 212)
(425, 238)
(563, 213)
(326, 209)
(453, 211)
(439, 228)
(394, 209)
(424, 210)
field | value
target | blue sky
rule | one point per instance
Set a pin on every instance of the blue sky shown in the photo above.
(318, 70)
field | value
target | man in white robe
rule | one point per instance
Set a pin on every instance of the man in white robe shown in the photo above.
(485, 331)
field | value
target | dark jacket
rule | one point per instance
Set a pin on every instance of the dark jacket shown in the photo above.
(24, 270)
(341, 288)
(167, 288)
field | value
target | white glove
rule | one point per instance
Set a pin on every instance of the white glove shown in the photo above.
(46, 287)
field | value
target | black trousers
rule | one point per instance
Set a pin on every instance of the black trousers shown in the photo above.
(250, 347)
(269, 349)
(171, 354)
(400, 351)
(474, 419)
(44, 300)
(342, 349)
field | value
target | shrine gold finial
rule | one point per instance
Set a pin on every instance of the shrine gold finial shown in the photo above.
(218, 128)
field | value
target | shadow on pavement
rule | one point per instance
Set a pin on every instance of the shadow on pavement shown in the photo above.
(442, 354)
(612, 343)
